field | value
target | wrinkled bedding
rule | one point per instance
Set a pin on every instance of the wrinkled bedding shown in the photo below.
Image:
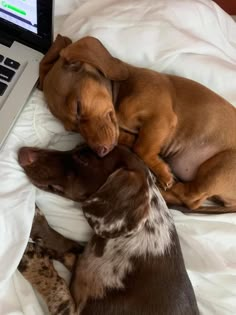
(191, 38)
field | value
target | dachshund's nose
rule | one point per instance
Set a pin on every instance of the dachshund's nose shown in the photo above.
(102, 150)
(26, 156)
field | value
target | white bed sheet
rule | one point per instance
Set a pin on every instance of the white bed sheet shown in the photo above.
(192, 38)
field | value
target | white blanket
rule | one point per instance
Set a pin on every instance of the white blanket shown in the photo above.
(191, 38)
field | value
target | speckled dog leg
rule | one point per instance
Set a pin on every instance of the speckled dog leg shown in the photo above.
(38, 269)
(53, 243)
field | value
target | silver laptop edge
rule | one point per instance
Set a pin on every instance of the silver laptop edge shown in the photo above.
(26, 76)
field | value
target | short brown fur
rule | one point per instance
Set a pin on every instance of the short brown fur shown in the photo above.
(177, 126)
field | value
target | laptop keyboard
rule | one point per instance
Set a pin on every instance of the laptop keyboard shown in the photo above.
(8, 68)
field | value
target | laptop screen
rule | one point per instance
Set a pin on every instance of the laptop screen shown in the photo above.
(29, 22)
(20, 12)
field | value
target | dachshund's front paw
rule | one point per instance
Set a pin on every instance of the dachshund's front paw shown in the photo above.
(127, 139)
(32, 255)
(166, 180)
(35, 263)
(25, 261)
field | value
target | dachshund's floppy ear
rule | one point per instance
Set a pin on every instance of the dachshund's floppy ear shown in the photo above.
(120, 206)
(51, 57)
(90, 50)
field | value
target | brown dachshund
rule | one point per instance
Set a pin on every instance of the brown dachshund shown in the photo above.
(174, 124)
(133, 264)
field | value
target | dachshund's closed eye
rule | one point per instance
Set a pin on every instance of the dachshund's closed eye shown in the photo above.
(120, 206)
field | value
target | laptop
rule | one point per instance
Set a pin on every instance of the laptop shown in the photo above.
(26, 30)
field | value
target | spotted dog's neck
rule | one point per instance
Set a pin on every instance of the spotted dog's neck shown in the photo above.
(105, 263)
(154, 235)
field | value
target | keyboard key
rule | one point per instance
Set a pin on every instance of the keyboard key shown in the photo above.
(11, 63)
(1, 58)
(3, 87)
(6, 74)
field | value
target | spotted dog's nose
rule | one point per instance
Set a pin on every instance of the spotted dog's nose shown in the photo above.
(27, 156)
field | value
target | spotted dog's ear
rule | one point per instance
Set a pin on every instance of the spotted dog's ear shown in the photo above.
(120, 206)
(51, 57)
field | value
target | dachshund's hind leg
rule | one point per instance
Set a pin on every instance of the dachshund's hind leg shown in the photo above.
(216, 178)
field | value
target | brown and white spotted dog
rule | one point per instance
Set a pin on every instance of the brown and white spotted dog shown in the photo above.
(133, 264)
